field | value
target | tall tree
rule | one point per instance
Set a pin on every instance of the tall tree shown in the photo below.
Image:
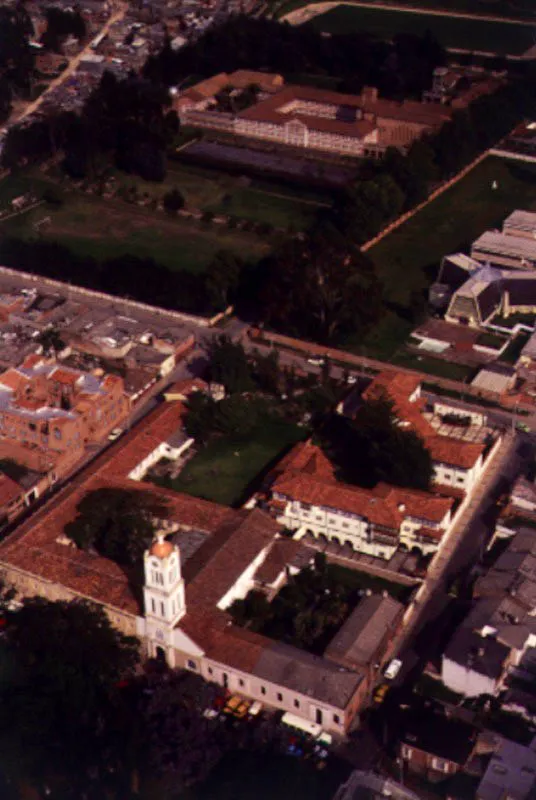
(320, 287)
(61, 662)
(117, 523)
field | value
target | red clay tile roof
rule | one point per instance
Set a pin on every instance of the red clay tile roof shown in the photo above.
(33, 547)
(213, 631)
(443, 449)
(220, 561)
(362, 502)
(64, 376)
(12, 379)
(278, 557)
(9, 489)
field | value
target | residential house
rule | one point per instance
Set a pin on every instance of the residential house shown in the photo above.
(473, 665)
(434, 745)
(511, 773)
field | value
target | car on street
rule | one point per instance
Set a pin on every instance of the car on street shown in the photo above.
(380, 692)
(316, 362)
(392, 669)
(115, 434)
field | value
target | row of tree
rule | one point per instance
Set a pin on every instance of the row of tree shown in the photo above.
(17, 60)
(399, 68)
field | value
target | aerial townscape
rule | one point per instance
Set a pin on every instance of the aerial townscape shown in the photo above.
(268, 400)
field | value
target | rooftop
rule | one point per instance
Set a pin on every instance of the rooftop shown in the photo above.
(481, 654)
(358, 641)
(438, 735)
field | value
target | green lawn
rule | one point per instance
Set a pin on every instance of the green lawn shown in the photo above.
(408, 259)
(466, 34)
(92, 226)
(275, 204)
(515, 9)
(224, 469)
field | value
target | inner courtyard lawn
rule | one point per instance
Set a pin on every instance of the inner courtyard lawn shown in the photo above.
(224, 470)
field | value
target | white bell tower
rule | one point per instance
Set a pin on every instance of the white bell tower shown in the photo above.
(163, 592)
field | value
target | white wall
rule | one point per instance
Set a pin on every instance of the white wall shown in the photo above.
(465, 681)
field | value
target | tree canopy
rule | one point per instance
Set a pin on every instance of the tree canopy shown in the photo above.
(375, 448)
(119, 524)
(61, 662)
(320, 287)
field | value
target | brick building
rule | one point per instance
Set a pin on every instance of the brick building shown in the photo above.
(49, 413)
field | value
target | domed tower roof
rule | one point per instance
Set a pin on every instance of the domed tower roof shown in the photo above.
(161, 548)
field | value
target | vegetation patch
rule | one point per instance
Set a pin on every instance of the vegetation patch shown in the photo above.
(225, 469)
(309, 610)
(467, 34)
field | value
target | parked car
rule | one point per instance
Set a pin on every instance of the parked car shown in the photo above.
(379, 694)
(392, 669)
(315, 361)
(115, 434)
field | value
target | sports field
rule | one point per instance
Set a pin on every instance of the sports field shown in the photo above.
(106, 228)
(466, 34)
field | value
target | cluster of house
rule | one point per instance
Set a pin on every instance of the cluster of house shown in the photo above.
(316, 119)
(207, 556)
(72, 366)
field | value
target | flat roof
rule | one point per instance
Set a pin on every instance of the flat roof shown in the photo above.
(500, 244)
(521, 221)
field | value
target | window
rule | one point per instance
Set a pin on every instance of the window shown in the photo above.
(280, 697)
(440, 765)
(57, 433)
(296, 703)
(153, 605)
(191, 664)
(460, 480)
(263, 689)
(162, 610)
(407, 752)
(240, 682)
(336, 719)
(210, 671)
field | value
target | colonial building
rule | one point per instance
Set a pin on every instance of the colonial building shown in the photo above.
(306, 496)
(310, 118)
(205, 557)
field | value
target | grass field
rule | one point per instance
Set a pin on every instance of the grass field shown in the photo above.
(514, 9)
(466, 34)
(91, 226)
(224, 469)
(408, 259)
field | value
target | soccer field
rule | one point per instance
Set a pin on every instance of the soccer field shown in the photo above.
(452, 32)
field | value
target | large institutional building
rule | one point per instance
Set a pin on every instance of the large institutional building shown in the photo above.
(207, 556)
(306, 496)
(310, 118)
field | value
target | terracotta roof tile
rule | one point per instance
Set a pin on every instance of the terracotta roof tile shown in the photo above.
(9, 489)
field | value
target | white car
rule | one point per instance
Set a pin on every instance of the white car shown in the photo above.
(392, 669)
(351, 379)
(115, 434)
(316, 362)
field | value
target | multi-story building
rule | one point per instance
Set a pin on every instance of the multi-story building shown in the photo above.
(310, 118)
(48, 410)
(305, 495)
